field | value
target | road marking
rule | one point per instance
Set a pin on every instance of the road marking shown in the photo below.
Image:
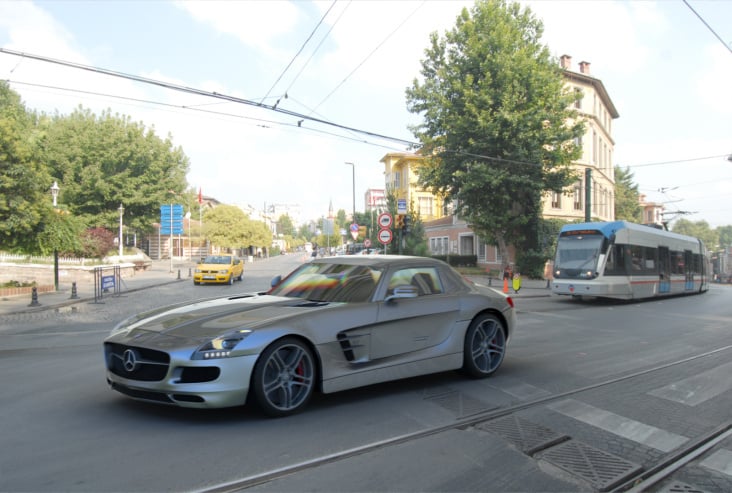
(699, 388)
(720, 461)
(619, 425)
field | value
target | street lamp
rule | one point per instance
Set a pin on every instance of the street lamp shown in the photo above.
(121, 212)
(54, 192)
(353, 181)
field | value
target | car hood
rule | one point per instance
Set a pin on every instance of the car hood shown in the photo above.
(203, 320)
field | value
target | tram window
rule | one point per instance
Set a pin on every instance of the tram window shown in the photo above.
(677, 263)
(643, 260)
(615, 263)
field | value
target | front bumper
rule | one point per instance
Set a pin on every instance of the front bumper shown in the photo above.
(230, 388)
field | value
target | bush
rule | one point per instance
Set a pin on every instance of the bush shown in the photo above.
(97, 242)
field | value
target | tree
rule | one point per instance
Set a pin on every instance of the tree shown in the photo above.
(627, 203)
(498, 127)
(227, 226)
(25, 200)
(698, 229)
(285, 226)
(103, 161)
(725, 236)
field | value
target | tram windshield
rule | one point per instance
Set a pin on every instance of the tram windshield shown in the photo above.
(577, 256)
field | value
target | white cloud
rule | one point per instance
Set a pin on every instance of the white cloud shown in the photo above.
(253, 22)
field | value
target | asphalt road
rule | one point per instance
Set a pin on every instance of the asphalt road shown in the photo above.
(634, 381)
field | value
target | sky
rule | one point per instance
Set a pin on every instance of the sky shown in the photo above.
(666, 65)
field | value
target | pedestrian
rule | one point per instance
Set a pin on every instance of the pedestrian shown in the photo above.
(548, 272)
(507, 274)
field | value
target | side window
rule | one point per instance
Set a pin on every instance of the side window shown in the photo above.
(425, 279)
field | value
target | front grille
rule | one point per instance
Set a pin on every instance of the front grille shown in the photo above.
(142, 394)
(134, 363)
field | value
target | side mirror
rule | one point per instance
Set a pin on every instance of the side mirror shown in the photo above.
(275, 281)
(403, 291)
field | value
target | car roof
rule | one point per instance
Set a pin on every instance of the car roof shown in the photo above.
(379, 260)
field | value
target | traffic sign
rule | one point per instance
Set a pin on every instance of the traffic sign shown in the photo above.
(385, 236)
(401, 206)
(354, 230)
(385, 219)
(367, 243)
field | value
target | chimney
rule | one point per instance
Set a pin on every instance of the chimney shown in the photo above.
(585, 67)
(565, 62)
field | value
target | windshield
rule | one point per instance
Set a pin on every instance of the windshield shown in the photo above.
(577, 255)
(330, 282)
(216, 259)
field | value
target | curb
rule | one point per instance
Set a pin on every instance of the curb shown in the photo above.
(70, 302)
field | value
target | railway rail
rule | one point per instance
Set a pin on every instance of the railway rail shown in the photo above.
(636, 480)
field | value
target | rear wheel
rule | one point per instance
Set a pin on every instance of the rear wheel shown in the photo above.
(485, 346)
(284, 377)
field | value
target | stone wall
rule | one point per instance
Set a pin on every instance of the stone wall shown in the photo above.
(42, 275)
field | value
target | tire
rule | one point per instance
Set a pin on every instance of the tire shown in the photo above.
(284, 378)
(231, 280)
(485, 346)
(196, 283)
(240, 276)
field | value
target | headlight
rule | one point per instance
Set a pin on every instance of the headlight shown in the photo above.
(198, 271)
(221, 346)
(224, 271)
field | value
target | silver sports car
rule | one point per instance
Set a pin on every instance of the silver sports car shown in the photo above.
(332, 324)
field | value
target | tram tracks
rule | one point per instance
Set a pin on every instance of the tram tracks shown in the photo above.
(636, 481)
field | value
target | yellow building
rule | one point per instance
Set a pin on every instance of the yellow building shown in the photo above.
(401, 180)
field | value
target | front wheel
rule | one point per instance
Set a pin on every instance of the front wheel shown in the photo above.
(485, 346)
(231, 280)
(284, 377)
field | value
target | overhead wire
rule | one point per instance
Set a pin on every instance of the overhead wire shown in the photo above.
(317, 48)
(726, 45)
(301, 116)
(368, 56)
(302, 47)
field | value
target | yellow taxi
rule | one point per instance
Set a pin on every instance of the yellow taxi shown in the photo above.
(221, 268)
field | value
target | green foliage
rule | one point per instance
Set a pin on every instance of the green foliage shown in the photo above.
(497, 125)
(107, 160)
(698, 229)
(627, 204)
(725, 236)
(25, 199)
(61, 232)
(285, 226)
(227, 226)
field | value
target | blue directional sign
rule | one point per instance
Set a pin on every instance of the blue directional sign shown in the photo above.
(171, 219)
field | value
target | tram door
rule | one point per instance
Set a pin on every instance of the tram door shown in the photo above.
(664, 270)
(689, 270)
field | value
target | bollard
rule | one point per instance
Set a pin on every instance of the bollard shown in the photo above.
(548, 283)
(34, 298)
(178, 273)
(190, 272)
(490, 281)
(74, 295)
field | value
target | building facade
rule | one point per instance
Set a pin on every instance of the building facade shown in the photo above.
(449, 234)
(401, 180)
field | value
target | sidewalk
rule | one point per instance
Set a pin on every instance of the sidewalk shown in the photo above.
(530, 288)
(158, 274)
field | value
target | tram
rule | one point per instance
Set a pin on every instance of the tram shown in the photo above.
(623, 260)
